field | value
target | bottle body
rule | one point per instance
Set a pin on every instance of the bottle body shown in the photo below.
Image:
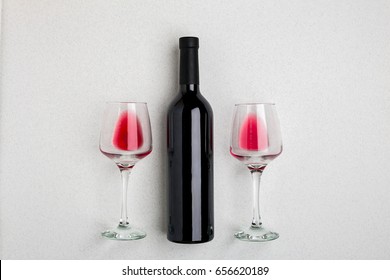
(190, 156)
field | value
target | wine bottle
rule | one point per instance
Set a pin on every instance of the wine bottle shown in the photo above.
(190, 155)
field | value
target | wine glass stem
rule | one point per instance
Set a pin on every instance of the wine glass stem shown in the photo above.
(256, 221)
(123, 222)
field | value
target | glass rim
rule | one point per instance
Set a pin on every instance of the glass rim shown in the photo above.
(124, 102)
(254, 103)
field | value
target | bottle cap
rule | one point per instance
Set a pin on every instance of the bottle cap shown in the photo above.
(188, 42)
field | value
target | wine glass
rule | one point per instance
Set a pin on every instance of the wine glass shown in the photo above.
(256, 140)
(125, 138)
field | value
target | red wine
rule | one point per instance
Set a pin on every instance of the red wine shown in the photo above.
(128, 132)
(253, 134)
(253, 141)
(190, 155)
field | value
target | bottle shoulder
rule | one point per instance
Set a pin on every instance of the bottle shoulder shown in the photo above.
(184, 102)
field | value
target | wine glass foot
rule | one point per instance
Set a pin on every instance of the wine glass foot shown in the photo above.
(256, 235)
(123, 233)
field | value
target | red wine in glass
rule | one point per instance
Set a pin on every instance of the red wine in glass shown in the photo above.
(253, 134)
(253, 147)
(128, 132)
(127, 140)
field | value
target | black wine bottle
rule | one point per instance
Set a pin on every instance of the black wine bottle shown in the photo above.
(190, 155)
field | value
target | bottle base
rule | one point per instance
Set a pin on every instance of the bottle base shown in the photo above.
(191, 241)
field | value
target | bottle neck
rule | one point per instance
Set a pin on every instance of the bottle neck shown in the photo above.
(189, 67)
(189, 88)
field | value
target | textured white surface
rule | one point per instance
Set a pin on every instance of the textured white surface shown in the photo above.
(325, 63)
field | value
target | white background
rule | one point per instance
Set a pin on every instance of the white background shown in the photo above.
(326, 64)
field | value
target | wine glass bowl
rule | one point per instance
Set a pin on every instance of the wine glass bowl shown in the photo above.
(256, 137)
(256, 141)
(125, 138)
(126, 135)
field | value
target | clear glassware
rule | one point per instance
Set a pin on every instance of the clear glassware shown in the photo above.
(125, 138)
(256, 140)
